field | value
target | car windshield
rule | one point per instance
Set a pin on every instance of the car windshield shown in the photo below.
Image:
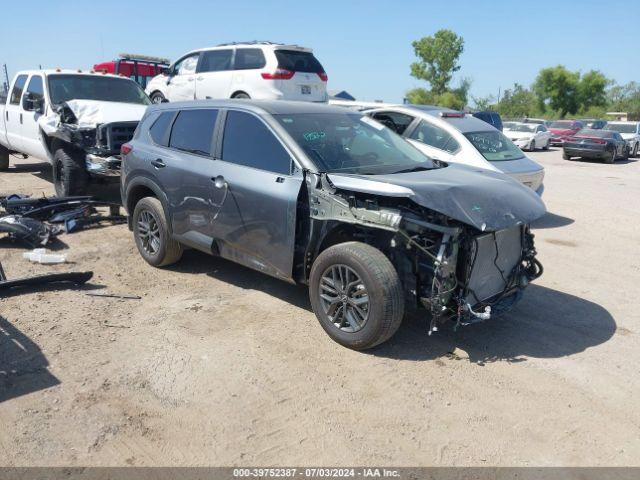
(494, 146)
(561, 125)
(63, 88)
(622, 127)
(351, 143)
(588, 132)
(524, 128)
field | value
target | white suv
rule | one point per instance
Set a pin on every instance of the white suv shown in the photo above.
(259, 70)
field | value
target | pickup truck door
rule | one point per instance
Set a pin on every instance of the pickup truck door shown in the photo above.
(31, 142)
(13, 117)
(213, 77)
(255, 188)
(181, 83)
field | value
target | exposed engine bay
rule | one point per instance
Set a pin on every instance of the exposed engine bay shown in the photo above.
(452, 269)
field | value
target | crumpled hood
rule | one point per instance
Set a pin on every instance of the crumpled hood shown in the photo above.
(486, 200)
(91, 113)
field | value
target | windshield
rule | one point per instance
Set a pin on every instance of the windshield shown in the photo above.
(524, 128)
(494, 146)
(63, 88)
(588, 132)
(351, 143)
(566, 125)
(622, 127)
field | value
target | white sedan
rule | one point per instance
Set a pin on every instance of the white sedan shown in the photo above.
(528, 136)
(452, 136)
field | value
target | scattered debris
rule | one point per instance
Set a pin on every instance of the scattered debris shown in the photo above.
(29, 230)
(112, 295)
(40, 255)
(67, 277)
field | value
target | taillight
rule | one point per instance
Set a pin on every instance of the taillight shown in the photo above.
(279, 74)
(323, 76)
(125, 149)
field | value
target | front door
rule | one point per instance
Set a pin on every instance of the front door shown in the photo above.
(213, 77)
(13, 115)
(256, 191)
(32, 143)
(181, 84)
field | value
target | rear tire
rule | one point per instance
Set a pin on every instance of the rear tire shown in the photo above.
(611, 158)
(157, 97)
(371, 275)
(4, 158)
(151, 233)
(70, 176)
(546, 146)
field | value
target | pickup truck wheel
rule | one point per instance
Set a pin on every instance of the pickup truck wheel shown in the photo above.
(356, 295)
(151, 233)
(4, 157)
(70, 176)
(157, 97)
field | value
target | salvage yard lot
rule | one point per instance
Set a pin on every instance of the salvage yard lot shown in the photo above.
(220, 365)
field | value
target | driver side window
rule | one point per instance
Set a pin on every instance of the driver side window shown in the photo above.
(435, 137)
(187, 65)
(398, 122)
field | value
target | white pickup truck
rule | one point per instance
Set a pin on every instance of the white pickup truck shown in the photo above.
(78, 121)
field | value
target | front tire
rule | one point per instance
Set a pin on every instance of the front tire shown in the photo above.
(532, 146)
(634, 153)
(157, 97)
(4, 158)
(611, 158)
(70, 176)
(241, 95)
(151, 233)
(356, 295)
(565, 156)
(546, 145)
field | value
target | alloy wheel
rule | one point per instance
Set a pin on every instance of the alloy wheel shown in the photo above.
(149, 232)
(344, 298)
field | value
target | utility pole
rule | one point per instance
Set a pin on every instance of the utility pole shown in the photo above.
(6, 77)
(499, 91)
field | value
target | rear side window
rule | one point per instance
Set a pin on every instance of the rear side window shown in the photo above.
(247, 141)
(435, 137)
(215, 61)
(160, 128)
(193, 131)
(296, 61)
(497, 121)
(18, 87)
(249, 59)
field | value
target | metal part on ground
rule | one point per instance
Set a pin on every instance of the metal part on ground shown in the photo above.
(74, 278)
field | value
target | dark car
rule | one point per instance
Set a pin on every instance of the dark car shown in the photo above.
(593, 123)
(563, 129)
(492, 118)
(330, 198)
(599, 144)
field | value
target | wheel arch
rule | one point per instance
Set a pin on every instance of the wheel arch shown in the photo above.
(237, 92)
(140, 188)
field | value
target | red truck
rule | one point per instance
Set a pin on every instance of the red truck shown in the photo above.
(140, 68)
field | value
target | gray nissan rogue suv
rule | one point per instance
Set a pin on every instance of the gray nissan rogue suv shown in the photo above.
(330, 198)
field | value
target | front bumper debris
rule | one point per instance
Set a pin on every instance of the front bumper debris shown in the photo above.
(103, 166)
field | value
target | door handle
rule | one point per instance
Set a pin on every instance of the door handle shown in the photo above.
(279, 179)
(158, 163)
(200, 78)
(20, 119)
(219, 181)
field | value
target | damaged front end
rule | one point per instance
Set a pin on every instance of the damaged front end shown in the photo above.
(101, 142)
(454, 268)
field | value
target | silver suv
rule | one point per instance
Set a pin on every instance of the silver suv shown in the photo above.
(327, 197)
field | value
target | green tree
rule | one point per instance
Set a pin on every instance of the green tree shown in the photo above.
(437, 59)
(484, 103)
(557, 88)
(518, 102)
(592, 90)
(624, 98)
(455, 98)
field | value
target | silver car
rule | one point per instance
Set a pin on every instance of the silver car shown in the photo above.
(453, 136)
(328, 197)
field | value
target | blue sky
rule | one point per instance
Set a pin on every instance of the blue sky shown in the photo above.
(365, 46)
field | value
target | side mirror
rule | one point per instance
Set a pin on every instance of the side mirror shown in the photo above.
(31, 103)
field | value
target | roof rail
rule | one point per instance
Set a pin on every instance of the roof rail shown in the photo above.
(252, 42)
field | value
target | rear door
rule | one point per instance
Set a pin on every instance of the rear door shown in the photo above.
(13, 116)
(31, 142)
(309, 80)
(257, 193)
(181, 84)
(213, 74)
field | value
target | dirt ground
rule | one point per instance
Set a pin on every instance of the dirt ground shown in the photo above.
(219, 365)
